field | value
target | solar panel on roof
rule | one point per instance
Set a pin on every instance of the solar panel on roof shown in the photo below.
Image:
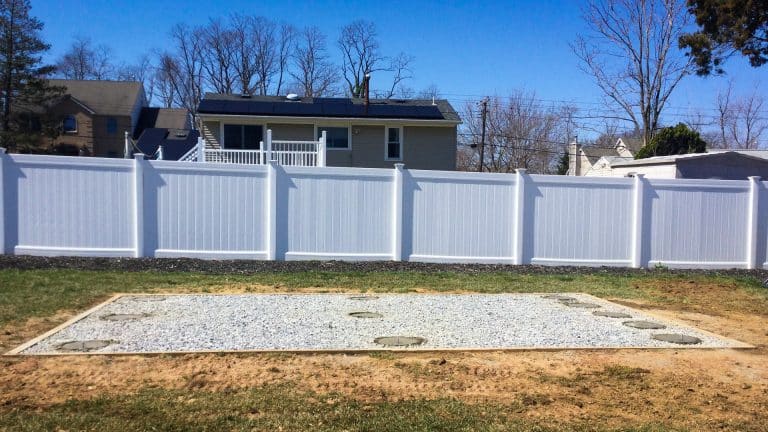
(325, 107)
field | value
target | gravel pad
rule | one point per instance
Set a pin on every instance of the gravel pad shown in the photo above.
(189, 323)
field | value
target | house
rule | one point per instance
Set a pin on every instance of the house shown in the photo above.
(359, 132)
(596, 161)
(725, 165)
(96, 114)
(164, 133)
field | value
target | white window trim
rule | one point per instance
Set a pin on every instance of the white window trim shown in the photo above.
(221, 131)
(319, 126)
(386, 143)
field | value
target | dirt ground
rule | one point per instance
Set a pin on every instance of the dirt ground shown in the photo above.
(695, 388)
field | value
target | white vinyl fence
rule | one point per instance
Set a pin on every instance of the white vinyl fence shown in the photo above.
(53, 205)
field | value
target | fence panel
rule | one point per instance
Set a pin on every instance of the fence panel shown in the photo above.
(762, 226)
(335, 213)
(69, 205)
(54, 205)
(701, 223)
(579, 221)
(206, 211)
(459, 217)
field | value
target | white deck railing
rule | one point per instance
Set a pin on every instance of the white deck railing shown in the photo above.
(290, 153)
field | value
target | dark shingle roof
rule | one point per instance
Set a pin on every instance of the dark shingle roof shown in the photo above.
(166, 118)
(176, 142)
(279, 106)
(595, 153)
(103, 97)
(633, 144)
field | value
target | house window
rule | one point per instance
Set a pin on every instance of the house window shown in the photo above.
(69, 124)
(111, 125)
(245, 137)
(394, 143)
(335, 137)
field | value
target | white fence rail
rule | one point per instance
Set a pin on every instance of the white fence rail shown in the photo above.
(53, 205)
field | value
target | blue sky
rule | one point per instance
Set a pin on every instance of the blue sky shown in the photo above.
(467, 49)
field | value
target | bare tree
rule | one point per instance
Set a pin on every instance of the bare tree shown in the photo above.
(285, 47)
(360, 54)
(141, 71)
(218, 56)
(400, 66)
(244, 61)
(315, 75)
(631, 53)
(164, 77)
(185, 67)
(519, 133)
(430, 92)
(265, 58)
(741, 121)
(84, 61)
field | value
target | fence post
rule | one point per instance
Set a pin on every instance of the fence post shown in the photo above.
(2, 201)
(519, 245)
(321, 150)
(127, 150)
(752, 218)
(397, 213)
(271, 224)
(636, 239)
(200, 149)
(138, 204)
(160, 153)
(269, 145)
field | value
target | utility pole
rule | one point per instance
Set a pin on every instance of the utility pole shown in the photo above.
(484, 102)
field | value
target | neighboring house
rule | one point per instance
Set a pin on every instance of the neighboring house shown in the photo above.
(95, 116)
(166, 128)
(596, 161)
(725, 165)
(419, 133)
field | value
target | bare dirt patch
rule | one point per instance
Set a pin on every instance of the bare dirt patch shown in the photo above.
(701, 389)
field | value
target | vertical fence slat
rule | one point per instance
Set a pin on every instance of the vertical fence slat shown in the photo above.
(638, 201)
(752, 219)
(2, 202)
(519, 246)
(138, 204)
(271, 211)
(397, 213)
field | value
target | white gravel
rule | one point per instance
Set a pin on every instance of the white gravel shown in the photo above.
(188, 323)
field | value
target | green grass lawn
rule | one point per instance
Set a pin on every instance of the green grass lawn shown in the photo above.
(39, 293)
(43, 293)
(275, 408)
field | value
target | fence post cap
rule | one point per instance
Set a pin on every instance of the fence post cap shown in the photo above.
(273, 163)
(399, 166)
(2, 150)
(521, 170)
(751, 178)
(139, 156)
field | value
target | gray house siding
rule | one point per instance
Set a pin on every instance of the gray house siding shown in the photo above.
(423, 147)
(368, 147)
(292, 132)
(725, 167)
(431, 148)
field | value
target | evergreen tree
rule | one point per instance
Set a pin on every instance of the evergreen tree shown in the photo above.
(563, 163)
(675, 140)
(727, 27)
(24, 90)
